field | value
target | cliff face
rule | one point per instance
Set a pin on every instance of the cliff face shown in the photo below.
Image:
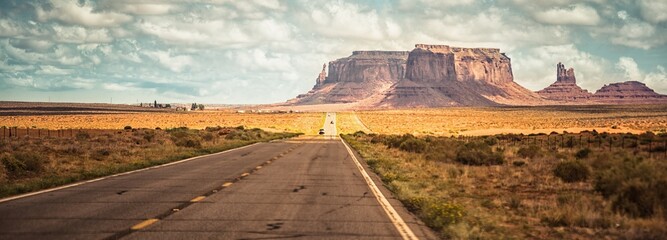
(628, 92)
(439, 75)
(565, 88)
(357, 77)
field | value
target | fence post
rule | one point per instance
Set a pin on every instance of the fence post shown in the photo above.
(650, 147)
(3, 132)
(623, 142)
(611, 142)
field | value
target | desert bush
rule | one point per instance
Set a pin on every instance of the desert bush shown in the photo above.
(413, 145)
(100, 154)
(583, 153)
(440, 213)
(531, 151)
(208, 137)
(149, 136)
(394, 141)
(128, 128)
(213, 129)
(491, 140)
(635, 198)
(82, 136)
(478, 153)
(518, 163)
(189, 142)
(572, 171)
(634, 186)
(21, 163)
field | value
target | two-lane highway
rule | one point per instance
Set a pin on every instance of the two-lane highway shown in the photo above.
(309, 188)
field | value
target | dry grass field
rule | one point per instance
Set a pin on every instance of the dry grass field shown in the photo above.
(489, 121)
(307, 123)
(32, 163)
(504, 187)
(348, 122)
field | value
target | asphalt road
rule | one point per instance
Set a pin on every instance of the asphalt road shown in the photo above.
(304, 188)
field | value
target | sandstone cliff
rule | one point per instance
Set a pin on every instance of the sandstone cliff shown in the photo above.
(565, 89)
(439, 75)
(628, 92)
(357, 77)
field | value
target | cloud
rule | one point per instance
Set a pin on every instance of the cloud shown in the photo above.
(77, 34)
(51, 70)
(630, 68)
(337, 19)
(70, 13)
(656, 79)
(535, 68)
(140, 8)
(654, 11)
(175, 63)
(32, 45)
(577, 14)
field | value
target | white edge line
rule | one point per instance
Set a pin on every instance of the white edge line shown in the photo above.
(401, 226)
(117, 175)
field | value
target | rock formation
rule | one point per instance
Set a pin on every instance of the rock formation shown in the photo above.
(439, 75)
(321, 78)
(565, 88)
(362, 75)
(628, 92)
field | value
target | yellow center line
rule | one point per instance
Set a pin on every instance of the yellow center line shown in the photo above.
(227, 184)
(144, 224)
(245, 174)
(258, 167)
(197, 199)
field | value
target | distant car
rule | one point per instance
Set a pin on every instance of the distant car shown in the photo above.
(322, 131)
(331, 122)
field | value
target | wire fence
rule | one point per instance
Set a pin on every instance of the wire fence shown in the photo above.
(652, 144)
(10, 133)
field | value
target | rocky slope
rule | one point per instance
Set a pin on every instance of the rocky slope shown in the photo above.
(439, 75)
(628, 92)
(565, 89)
(357, 77)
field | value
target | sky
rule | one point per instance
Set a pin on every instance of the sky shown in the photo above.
(251, 52)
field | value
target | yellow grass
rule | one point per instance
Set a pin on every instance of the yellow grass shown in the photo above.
(489, 121)
(347, 122)
(307, 123)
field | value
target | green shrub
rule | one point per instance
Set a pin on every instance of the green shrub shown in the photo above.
(149, 136)
(531, 151)
(439, 213)
(359, 134)
(478, 153)
(413, 145)
(636, 199)
(634, 186)
(572, 171)
(208, 137)
(189, 142)
(82, 136)
(22, 163)
(491, 141)
(583, 153)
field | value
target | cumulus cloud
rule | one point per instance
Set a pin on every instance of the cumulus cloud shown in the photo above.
(175, 63)
(654, 11)
(226, 50)
(577, 14)
(71, 13)
(630, 68)
(535, 68)
(656, 79)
